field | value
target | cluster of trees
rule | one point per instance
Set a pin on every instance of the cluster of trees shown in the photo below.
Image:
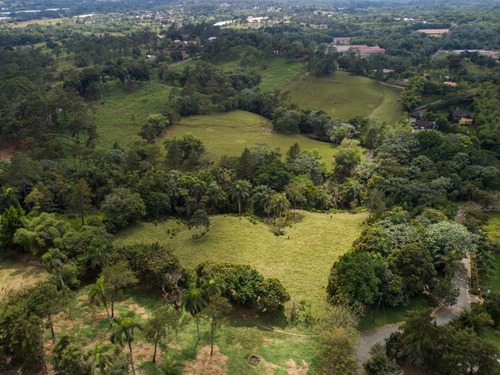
(400, 259)
(455, 348)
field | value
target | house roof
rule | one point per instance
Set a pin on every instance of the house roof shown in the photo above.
(362, 49)
(460, 113)
(420, 124)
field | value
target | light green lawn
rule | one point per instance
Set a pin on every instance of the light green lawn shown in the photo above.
(345, 96)
(124, 111)
(229, 133)
(301, 259)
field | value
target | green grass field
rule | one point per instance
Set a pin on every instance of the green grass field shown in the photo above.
(235, 340)
(229, 133)
(344, 96)
(301, 259)
(124, 111)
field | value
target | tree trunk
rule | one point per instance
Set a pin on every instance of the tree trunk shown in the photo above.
(279, 225)
(52, 329)
(212, 341)
(154, 353)
(60, 278)
(131, 356)
(112, 305)
(239, 206)
(109, 316)
(198, 328)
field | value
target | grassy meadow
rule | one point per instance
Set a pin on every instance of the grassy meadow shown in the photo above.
(124, 111)
(344, 96)
(301, 259)
(493, 284)
(229, 133)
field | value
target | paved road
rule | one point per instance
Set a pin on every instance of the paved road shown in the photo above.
(443, 315)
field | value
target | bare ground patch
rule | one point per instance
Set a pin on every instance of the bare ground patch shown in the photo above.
(204, 365)
(295, 369)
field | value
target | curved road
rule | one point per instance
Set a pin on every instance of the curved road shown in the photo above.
(443, 314)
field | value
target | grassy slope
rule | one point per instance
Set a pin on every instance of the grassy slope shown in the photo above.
(301, 259)
(493, 229)
(18, 275)
(345, 96)
(123, 114)
(229, 133)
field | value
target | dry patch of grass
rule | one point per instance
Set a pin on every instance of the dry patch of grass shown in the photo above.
(19, 275)
(204, 365)
(296, 369)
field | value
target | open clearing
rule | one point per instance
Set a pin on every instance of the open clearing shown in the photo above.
(235, 341)
(19, 275)
(345, 96)
(123, 113)
(229, 133)
(301, 259)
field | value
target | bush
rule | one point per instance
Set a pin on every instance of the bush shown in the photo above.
(242, 281)
(273, 295)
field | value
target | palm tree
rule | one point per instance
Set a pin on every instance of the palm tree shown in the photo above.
(193, 302)
(100, 356)
(125, 331)
(279, 203)
(240, 190)
(98, 293)
(96, 256)
(54, 260)
(448, 262)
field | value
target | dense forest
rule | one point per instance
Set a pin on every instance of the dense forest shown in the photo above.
(86, 204)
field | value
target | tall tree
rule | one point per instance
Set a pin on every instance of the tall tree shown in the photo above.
(240, 190)
(216, 308)
(125, 331)
(279, 203)
(99, 294)
(54, 260)
(46, 300)
(117, 276)
(193, 303)
(81, 200)
(164, 321)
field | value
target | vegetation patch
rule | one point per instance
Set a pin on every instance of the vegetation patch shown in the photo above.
(229, 134)
(19, 275)
(345, 96)
(300, 259)
(121, 114)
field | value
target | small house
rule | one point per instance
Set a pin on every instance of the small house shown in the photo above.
(463, 117)
(422, 125)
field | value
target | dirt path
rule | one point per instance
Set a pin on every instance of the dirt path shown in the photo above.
(391, 85)
(179, 62)
(267, 328)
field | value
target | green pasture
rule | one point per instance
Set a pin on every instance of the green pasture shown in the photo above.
(493, 228)
(124, 110)
(301, 258)
(345, 96)
(229, 133)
